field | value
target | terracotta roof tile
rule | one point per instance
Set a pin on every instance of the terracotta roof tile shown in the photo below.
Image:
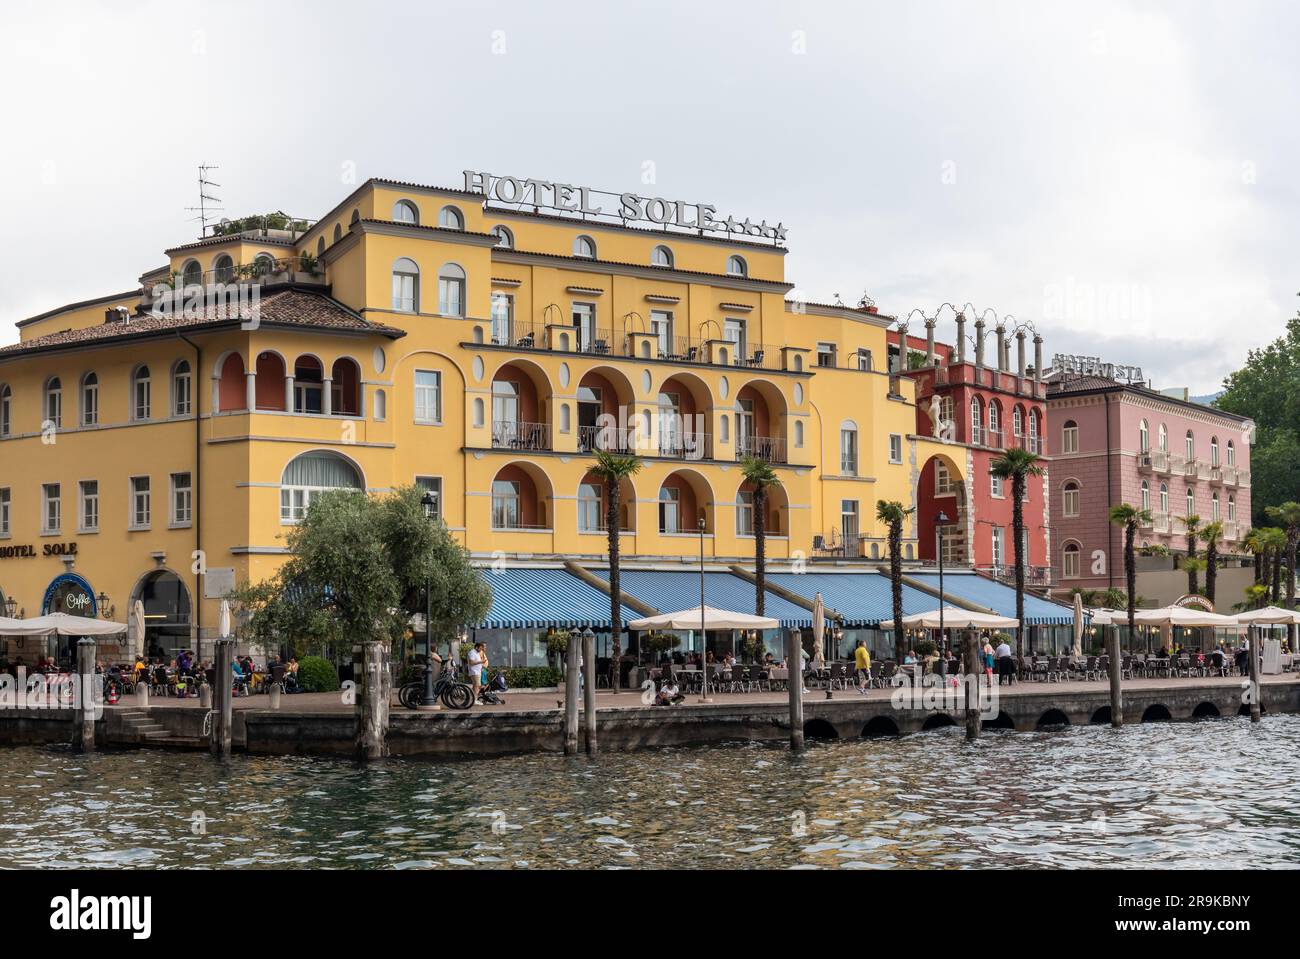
(290, 307)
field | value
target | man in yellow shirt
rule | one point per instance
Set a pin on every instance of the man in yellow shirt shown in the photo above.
(862, 665)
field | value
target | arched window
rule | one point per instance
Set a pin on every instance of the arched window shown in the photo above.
(192, 273)
(449, 218)
(406, 286)
(54, 402)
(309, 476)
(1146, 496)
(223, 269)
(6, 409)
(848, 448)
(1070, 437)
(1214, 507)
(404, 211)
(1191, 503)
(90, 399)
(338, 232)
(381, 405)
(505, 239)
(976, 421)
(1018, 422)
(308, 385)
(1232, 508)
(585, 247)
(1070, 561)
(451, 290)
(355, 217)
(798, 433)
(1164, 498)
(995, 423)
(1232, 454)
(182, 389)
(141, 394)
(736, 266)
(1164, 438)
(1070, 499)
(320, 247)
(1214, 451)
(1144, 437)
(263, 264)
(1189, 447)
(345, 387)
(661, 256)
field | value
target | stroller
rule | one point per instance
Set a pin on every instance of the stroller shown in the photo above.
(492, 691)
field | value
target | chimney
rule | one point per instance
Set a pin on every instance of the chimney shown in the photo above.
(117, 314)
(961, 337)
(979, 348)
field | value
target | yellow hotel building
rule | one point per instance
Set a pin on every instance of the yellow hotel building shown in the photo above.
(441, 336)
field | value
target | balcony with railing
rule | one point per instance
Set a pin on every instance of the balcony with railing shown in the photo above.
(613, 439)
(1034, 575)
(1162, 523)
(686, 446)
(768, 448)
(520, 436)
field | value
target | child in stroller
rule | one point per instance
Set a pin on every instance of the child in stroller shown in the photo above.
(491, 692)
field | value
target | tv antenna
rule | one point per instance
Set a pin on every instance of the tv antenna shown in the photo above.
(203, 209)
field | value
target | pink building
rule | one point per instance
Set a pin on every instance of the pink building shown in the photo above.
(1114, 442)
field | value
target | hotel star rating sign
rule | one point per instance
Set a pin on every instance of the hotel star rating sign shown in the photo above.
(631, 207)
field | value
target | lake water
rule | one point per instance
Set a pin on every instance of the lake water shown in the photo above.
(1216, 793)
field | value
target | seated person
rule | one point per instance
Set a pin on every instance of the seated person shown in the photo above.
(668, 694)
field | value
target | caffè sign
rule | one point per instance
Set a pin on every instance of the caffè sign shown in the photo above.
(584, 200)
(1093, 366)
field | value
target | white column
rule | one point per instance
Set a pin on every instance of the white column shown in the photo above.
(250, 389)
(327, 396)
(288, 393)
(216, 394)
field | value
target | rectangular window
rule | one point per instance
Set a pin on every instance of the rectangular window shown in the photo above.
(505, 504)
(1070, 439)
(590, 517)
(89, 506)
(406, 292)
(503, 318)
(451, 296)
(744, 513)
(826, 354)
(182, 499)
(51, 508)
(670, 510)
(90, 404)
(848, 452)
(5, 505)
(734, 332)
(999, 548)
(432, 484)
(1070, 501)
(895, 448)
(143, 398)
(864, 361)
(428, 396)
(849, 521)
(942, 480)
(584, 321)
(1070, 563)
(181, 394)
(140, 502)
(54, 407)
(995, 485)
(661, 326)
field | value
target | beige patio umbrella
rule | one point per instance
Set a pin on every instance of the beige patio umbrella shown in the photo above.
(223, 620)
(1182, 616)
(819, 632)
(1078, 625)
(1268, 616)
(955, 618)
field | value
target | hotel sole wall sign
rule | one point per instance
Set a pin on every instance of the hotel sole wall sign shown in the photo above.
(28, 551)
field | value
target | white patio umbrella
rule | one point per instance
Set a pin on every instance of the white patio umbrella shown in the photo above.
(819, 632)
(1268, 616)
(9, 627)
(63, 624)
(706, 618)
(1108, 617)
(1181, 616)
(223, 619)
(137, 629)
(955, 618)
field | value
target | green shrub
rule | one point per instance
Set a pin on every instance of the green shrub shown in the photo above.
(532, 677)
(925, 647)
(316, 675)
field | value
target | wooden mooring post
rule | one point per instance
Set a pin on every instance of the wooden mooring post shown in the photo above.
(373, 691)
(1116, 673)
(222, 699)
(572, 656)
(794, 670)
(1255, 690)
(88, 698)
(973, 671)
(589, 688)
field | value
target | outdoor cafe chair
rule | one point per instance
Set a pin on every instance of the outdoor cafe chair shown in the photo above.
(736, 682)
(758, 677)
(1103, 665)
(1125, 667)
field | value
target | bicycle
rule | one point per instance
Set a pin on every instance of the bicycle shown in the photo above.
(446, 688)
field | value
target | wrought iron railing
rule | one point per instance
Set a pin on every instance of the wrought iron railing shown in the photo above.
(516, 435)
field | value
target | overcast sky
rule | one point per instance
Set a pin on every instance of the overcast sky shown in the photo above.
(1113, 172)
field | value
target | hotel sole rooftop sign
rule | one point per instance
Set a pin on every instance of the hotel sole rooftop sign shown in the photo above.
(626, 207)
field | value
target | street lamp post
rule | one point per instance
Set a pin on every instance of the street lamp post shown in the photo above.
(106, 610)
(428, 700)
(11, 607)
(940, 522)
(704, 659)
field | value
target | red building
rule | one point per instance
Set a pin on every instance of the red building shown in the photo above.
(981, 405)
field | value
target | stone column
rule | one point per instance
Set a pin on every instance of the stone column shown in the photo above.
(250, 390)
(327, 396)
(373, 692)
(222, 699)
(1002, 347)
(1020, 361)
(929, 342)
(961, 337)
(979, 348)
(88, 699)
(1038, 359)
(216, 395)
(288, 393)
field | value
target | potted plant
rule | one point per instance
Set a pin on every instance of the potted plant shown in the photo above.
(659, 643)
(557, 643)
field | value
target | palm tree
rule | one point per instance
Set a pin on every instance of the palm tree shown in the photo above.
(1130, 517)
(892, 513)
(758, 473)
(612, 468)
(1275, 541)
(1256, 596)
(1017, 464)
(1254, 541)
(1288, 515)
(1191, 521)
(1211, 534)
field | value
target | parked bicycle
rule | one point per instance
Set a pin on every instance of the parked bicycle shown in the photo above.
(446, 688)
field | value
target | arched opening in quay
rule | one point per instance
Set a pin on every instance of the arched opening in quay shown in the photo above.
(1156, 713)
(1054, 717)
(1205, 711)
(879, 726)
(1003, 721)
(819, 729)
(938, 721)
(1101, 717)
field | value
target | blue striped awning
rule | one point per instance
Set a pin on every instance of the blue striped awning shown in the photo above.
(863, 599)
(998, 597)
(671, 591)
(531, 598)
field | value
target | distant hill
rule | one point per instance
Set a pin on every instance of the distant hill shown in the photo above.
(1207, 399)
